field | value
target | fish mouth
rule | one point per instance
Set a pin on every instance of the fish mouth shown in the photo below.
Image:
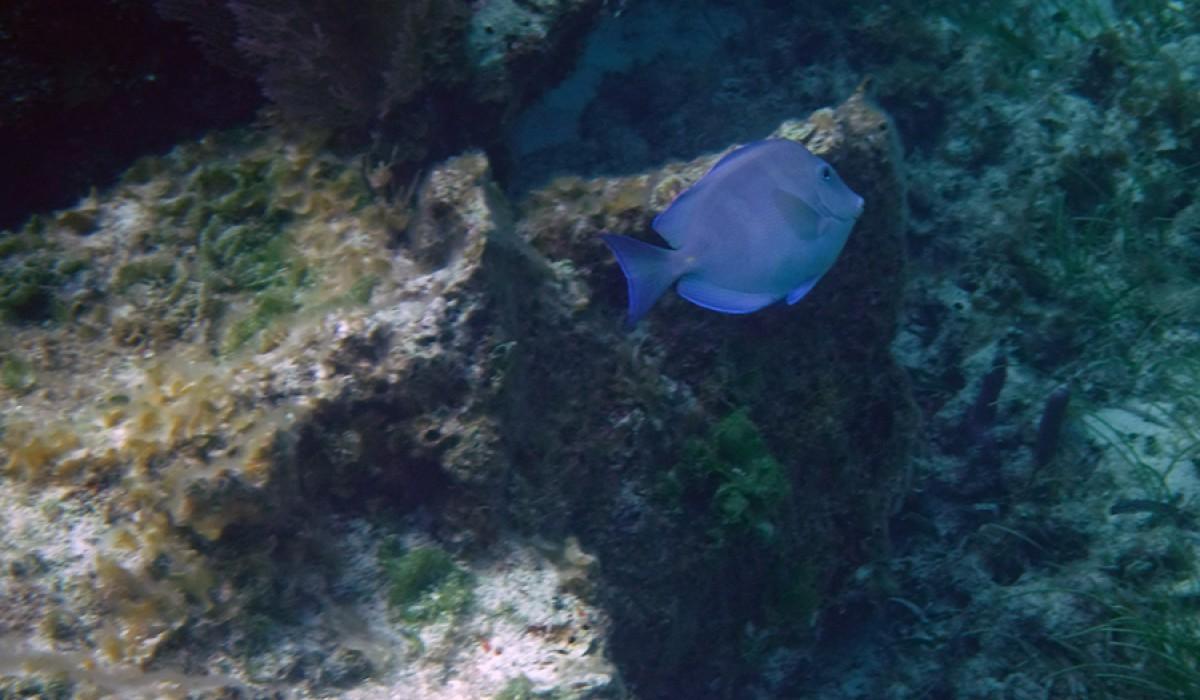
(858, 210)
(859, 205)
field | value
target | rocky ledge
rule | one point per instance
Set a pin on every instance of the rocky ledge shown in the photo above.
(265, 433)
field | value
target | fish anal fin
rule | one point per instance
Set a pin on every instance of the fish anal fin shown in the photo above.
(798, 293)
(726, 301)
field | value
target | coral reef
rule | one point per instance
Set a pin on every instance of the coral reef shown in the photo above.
(280, 420)
(219, 281)
(1052, 218)
(276, 420)
(838, 430)
(334, 442)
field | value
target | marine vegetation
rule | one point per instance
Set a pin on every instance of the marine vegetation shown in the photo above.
(747, 489)
(728, 482)
(342, 67)
(424, 583)
(1147, 646)
(34, 274)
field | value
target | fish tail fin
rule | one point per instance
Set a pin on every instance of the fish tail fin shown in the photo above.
(649, 272)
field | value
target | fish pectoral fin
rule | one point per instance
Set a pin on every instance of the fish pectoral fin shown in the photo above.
(798, 293)
(727, 301)
(802, 220)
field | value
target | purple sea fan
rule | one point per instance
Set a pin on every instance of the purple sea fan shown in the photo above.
(338, 65)
(316, 61)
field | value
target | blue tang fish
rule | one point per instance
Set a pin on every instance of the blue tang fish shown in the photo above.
(764, 224)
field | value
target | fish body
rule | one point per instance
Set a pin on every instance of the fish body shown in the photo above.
(764, 224)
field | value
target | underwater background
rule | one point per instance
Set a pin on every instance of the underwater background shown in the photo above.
(315, 382)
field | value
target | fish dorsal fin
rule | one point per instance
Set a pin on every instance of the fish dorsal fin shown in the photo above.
(672, 223)
(726, 301)
(798, 293)
(746, 151)
(802, 220)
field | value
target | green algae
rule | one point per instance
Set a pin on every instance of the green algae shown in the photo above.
(424, 584)
(16, 374)
(51, 686)
(256, 633)
(27, 291)
(242, 246)
(258, 259)
(268, 307)
(519, 688)
(362, 290)
(221, 234)
(235, 193)
(153, 270)
(32, 274)
(247, 257)
(16, 243)
(729, 483)
(216, 259)
(747, 488)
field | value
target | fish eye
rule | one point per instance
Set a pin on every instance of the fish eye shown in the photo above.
(826, 172)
